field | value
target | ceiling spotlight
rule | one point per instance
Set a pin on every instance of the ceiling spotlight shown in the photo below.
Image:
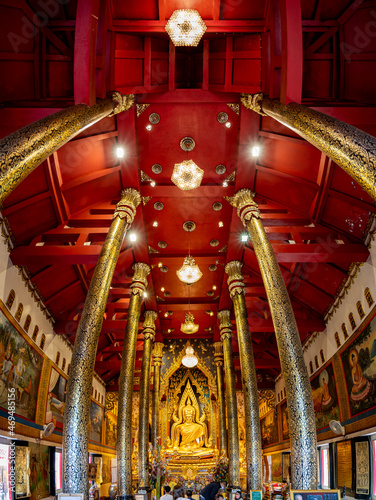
(155, 223)
(169, 330)
(214, 287)
(225, 184)
(145, 295)
(220, 224)
(152, 184)
(120, 152)
(228, 124)
(160, 264)
(255, 151)
(148, 127)
(162, 289)
(244, 237)
(211, 313)
(133, 237)
(166, 314)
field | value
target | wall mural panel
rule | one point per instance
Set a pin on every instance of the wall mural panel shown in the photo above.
(359, 363)
(325, 398)
(269, 429)
(285, 422)
(96, 420)
(20, 367)
(111, 430)
(39, 467)
(56, 399)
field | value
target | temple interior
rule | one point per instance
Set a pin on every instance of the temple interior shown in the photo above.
(187, 288)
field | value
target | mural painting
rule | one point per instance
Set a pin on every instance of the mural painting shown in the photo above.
(96, 420)
(269, 429)
(39, 485)
(111, 426)
(20, 369)
(277, 467)
(359, 363)
(285, 422)
(56, 399)
(325, 399)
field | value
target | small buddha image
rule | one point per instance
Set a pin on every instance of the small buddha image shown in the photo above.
(326, 399)
(361, 385)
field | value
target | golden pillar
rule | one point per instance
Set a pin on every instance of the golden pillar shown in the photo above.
(25, 149)
(298, 388)
(351, 148)
(143, 422)
(218, 361)
(157, 355)
(77, 404)
(124, 423)
(225, 330)
(249, 380)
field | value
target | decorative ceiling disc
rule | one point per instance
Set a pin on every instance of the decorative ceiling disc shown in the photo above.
(214, 243)
(167, 294)
(212, 267)
(222, 117)
(217, 206)
(210, 293)
(158, 205)
(162, 244)
(154, 118)
(189, 226)
(220, 169)
(187, 144)
(164, 269)
(156, 168)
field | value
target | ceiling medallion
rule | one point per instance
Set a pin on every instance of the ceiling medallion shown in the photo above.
(158, 205)
(185, 28)
(222, 117)
(220, 169)
(187, 144)
(162, 244)
(187, 175)
(164, 269)
(189, 226)
(210, 293)
(156, 168)
(214, 243)
(212, 267)
(217, 206)
(167, 294)
(154, 118)
(189, 325)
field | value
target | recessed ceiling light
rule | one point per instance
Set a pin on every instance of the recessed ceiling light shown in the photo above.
(244, 237)
(225, 184)
(214, 287)
(145, 294)
(255, 151)
(148, 127)
(160, 264)
(152, 184)
(163, 289)
(220, 224)
(120, 152)
(228, 124)
(132, 237)
(155, 224)
(166, 314)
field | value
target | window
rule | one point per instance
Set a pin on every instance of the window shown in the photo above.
(64, 363)
(325, 467)
(10, 299)
(284, 391)
(95, 394)
(368, 297)
(344, 329)
(102, 399)
(68, 369)
(27, 323)
(360, 309)
(352, 321)
(58, 471)
(19, 312)
(311, 366)
(322, 356)
(35, 333)
(316, 361)
(279, 397)
(57, 358)
(338, 342)
(42, 341)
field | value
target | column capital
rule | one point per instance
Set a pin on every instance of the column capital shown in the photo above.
(149, 325)
(123, 102)
(225, 326)
(251, 102)
(218, 353)
(126, 208)
(158, 353)
(243, 201)
(140, 278)
(235, 278)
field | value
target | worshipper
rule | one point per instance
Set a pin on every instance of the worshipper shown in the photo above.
(167, 495)
(211, 489)
(179, 493)
(238, 495)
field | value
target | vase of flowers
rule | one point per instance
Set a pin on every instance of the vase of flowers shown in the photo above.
(220, 471)
(158, 474)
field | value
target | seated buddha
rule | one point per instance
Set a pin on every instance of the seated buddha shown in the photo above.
(191, 432)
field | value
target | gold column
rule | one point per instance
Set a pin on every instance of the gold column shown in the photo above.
(225, 330)
(218, 361)
(351, 148)
(25, 149)
(124, 423)
(77, 404)
(249, 380)
(157, 354)
(143, 422)
(298, 388)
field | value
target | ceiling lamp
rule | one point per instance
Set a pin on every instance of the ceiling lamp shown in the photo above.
(189, 272)
(190, 359)
(187, 175)
(185, 28)
(189, 325)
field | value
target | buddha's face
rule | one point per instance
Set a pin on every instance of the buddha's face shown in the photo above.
(188, 414)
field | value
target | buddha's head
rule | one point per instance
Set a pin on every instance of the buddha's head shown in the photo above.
(188, 412)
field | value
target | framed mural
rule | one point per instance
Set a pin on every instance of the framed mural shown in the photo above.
(111, 430)
(286, 467)
(285, 422)
(277, 467)
(325, 398)
(96, 421)
(39, 471)
(20, 368)
(269, 429)
(362, 466)
(315, 495)
(56, 399)
(359, 364)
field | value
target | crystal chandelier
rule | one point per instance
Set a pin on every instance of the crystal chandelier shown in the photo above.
(187, 175)
(189, 360)
(189, 325)
(189, 272)
(185, 28)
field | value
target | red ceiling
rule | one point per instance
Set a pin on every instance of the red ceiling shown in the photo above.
(60, 214)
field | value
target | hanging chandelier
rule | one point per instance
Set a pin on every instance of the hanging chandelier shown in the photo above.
(185, 28)
(190, 359)
(189, 325)
(189, 272)
(187, 175)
